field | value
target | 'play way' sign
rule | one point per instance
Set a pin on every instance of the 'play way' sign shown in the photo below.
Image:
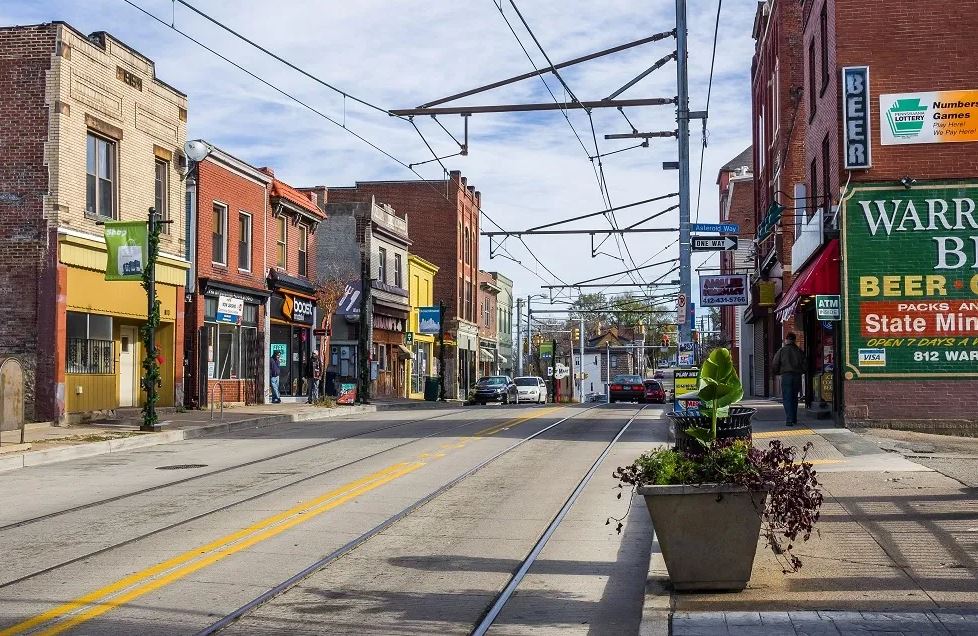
(710, 244)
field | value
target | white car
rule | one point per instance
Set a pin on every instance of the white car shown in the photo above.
(531, 389)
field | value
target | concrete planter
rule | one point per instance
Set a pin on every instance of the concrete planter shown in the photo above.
(708, 534)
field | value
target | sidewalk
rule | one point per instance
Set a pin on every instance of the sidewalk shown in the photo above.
(895, 552)
(47, 444)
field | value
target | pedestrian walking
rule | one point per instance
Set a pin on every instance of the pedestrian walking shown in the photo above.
(314, 371)
(274, 371)
(789, 363)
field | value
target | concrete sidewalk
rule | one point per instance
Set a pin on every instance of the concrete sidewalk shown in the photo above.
(895, 552)
(46, 443)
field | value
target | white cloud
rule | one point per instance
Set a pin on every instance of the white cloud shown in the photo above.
(530, 167)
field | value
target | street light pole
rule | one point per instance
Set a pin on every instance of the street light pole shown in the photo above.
(682, 119)
(519, 336)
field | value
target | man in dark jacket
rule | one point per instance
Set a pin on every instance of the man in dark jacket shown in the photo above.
(274, 371)
(314, 373)
(789, 363)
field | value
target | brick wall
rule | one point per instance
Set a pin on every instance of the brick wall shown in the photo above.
(26, 265)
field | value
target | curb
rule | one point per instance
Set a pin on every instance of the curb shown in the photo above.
(91, 449)
(657, 607)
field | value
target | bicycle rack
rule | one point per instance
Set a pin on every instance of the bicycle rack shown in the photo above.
(220, 390)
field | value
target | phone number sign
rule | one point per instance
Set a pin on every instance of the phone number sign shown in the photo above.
(911, 281)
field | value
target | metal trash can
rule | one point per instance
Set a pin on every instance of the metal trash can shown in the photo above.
(432, 388)
(736, 426)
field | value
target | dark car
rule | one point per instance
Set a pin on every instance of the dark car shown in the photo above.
(654, 393)
(659, 375)
(495, 388)
(626, 388)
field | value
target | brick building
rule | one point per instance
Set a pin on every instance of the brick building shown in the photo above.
(902, 112)
(488, 318)
(228, 294)
(449, 213)
(736, 183)
(89, 134)
(777, 76)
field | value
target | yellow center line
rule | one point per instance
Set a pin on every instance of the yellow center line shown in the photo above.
(819, 462)
(91, 605)
(795, 432)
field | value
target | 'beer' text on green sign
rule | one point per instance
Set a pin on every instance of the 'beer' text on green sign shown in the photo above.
(828, 307)
(911, 281)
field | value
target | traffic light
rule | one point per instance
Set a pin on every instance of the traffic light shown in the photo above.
(576, 334)
(665, 340)
(537, 339)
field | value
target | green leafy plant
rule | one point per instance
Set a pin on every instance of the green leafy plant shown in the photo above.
(718, 387)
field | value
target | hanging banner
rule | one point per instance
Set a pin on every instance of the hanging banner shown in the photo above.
(349, 305)
(127, 245)
(429, 319)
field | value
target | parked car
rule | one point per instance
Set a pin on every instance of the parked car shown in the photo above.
(494, 388)
(531, 389)
(654, 393)
(658, 375)
(627, 388)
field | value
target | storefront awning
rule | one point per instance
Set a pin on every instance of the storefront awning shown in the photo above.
(503, 359)
(820, 276)
(485, 355)
(405, 353)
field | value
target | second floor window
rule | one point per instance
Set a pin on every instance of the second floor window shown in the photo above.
(303, 250)
(219, 244)
(281, 244)
(812, 95)
(100, 180)
(485, 313)
(466, 247)
(244, 241)
(382, 265)
(162, 192)
(398, 282)
(823, 32)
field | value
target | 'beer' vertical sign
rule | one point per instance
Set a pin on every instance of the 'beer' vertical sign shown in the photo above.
(856, 129)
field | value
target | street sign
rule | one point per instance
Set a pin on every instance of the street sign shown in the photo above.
(711, 244)
(685, 346)
(561, 371)
(828, 307)
(550, 372)
(682, 309)
(722, 290)
(722, 228)
(408, 337)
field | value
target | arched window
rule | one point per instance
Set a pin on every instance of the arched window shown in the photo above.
(467, 248)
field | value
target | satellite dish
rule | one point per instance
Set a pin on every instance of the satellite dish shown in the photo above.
(197, 150)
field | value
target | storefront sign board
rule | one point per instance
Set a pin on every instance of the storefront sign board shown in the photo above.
(856, 127)
(685, 381)
(929, 118)
(229, 310)
(717, 291)
(828, 307)
(911, 281)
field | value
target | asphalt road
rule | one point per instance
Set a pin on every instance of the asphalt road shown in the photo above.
(170, 539)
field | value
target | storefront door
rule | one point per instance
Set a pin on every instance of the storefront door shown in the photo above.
(281, 341)
(299, 357)
(127, 365)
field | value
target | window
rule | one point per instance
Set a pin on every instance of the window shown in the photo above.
(91, 348)
(823, 32)
(219, 242)
(485, 313)
(812, 98)
(398, 282)
(761, 148)
(466, 247)
(162, 193)
(244, 241)
(468, 303)
(382, 265)
(100, 179)
(814, 191)
(461, 296)
(777, 96)
(303, 250)
(229, 346)
(826, 185)
(281, 246)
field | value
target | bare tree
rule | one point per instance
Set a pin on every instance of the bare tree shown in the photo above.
(331, 286)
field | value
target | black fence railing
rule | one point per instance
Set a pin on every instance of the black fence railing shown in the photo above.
(90, 356)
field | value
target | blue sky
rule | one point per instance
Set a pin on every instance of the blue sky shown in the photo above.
(530, 168)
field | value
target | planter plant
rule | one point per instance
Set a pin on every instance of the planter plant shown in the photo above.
(710, 497)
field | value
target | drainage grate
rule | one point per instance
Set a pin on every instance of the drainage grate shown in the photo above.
(181, 466)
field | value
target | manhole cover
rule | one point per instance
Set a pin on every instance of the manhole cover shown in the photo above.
(181, 466)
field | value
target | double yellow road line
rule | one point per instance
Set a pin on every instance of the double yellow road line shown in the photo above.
(84, 608)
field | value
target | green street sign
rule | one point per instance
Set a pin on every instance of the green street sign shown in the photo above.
(408, 337)
(828, 307)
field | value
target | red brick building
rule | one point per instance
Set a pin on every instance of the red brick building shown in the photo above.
(446, 217)
(911, 50)
(226, 309)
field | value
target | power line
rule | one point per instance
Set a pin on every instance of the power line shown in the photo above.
(709, 91)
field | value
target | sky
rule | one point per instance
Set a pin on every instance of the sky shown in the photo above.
(531, 168)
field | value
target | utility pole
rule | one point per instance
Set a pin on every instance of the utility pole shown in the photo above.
(519, 336)
(553, 366)
(580, 370)
(529, 327)
(441, 351)
(682, 119)
(363, 342)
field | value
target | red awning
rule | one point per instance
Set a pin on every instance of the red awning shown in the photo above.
(820, 276)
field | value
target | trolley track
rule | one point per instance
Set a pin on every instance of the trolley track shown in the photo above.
(226, 469)
(493, 610)
(236, 503)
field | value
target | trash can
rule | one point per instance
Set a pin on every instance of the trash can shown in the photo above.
(432, 388)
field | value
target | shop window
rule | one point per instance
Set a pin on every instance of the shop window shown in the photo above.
(91, 348)
(219, 236)
(100, 183)
(382, 265)
(281, 244)
(161, 192)
(398, 282)
(244, 241)
(303, 250)
(227, 355)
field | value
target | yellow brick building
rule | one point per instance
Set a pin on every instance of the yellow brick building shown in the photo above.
(421, 283)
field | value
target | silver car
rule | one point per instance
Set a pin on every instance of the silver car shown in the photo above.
(531, 389)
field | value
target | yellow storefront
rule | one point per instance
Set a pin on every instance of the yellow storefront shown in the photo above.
(421, 282)
(99, 330)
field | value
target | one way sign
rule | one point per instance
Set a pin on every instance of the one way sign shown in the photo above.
(714, 244)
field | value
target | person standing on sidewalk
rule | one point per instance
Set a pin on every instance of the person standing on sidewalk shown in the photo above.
(789, 363)
(314, 373)
(274, 371)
